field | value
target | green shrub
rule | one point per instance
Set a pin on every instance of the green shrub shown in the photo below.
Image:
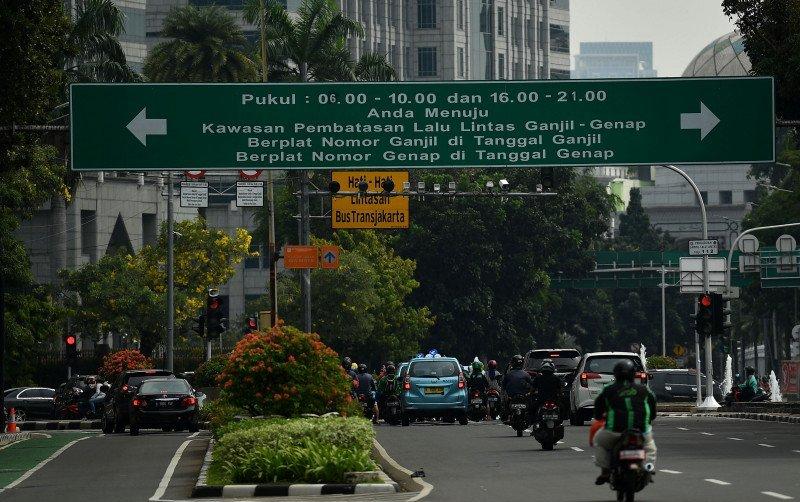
(207, 373)
(300, 450)
(285, 372)
(219, 413)
(661, 363)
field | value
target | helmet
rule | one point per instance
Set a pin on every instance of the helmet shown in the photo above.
(750, 371)
(547, 366)
(517, 362)
(477, 367)
(362, 368)
(492, 364)
(346, 362)
(624, 370)
(390, 368)
(353, 366)
(389, 363)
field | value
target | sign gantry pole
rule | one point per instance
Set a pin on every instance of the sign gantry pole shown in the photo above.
(170, 274)
(305, 230)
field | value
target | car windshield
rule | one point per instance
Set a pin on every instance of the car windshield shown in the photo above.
(164, 387)
(433, 369)
(605, 364)
(564, 360)
(137, 380)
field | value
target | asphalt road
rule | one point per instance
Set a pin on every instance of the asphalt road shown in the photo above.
(699, 459)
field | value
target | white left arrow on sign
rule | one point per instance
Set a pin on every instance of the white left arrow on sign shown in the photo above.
(705, 121)
(141, 126)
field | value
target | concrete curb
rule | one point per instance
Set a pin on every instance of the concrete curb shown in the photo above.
(402, 476)
(201, 489)
(762, 417)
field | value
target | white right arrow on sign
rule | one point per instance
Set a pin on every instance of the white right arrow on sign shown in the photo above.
(705, 121)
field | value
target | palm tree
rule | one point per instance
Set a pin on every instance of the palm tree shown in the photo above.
(312, 46)
(94, 53)
(206, 46)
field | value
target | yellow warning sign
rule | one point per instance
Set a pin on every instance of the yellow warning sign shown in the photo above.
(375, 209)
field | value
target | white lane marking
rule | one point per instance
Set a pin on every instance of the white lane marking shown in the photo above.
(41, 464)
(717, 481)
(707, 433)
(162, 486)
(576, 448)
(668, 471)
(682, 428)
(796, 451)
(778, 495)
(736, 439)
(190, 436)
(766, 445)
(560, 442)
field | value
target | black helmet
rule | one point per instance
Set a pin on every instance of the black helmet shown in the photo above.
(389, 363)
(547, 366)
(750, 371)
(390, 368)
(517, 362)
(624, 370)
(362, 368)
(346, 362)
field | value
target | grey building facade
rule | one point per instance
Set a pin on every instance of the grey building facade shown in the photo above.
(614, 60)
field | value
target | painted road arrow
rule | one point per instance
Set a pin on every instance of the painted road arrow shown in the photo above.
(141, 126)
(706, 121)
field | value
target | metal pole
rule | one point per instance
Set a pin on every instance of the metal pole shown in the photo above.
(305, 231)
(2, 340)
(663, 310)
(697, 365)
(170, 275)
(710, 403)
(739, 237)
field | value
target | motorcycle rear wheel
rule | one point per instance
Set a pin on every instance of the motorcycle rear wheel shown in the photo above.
(519, 433)
(547, 446)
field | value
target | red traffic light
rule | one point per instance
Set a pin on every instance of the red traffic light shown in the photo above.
(70, 340)
(705, 301)
(251, 323)
(213, 304)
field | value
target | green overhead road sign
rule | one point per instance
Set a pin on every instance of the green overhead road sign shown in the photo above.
(426, 125)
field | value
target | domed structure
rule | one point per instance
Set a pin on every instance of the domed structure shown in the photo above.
(723, 57)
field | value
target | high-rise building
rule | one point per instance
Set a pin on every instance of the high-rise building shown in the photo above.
(432, 40)
(614, 60)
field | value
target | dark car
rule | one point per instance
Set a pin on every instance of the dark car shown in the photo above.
(118, 397)
(169, 403)
(566, 363)
(30, 402)
(66, 397)
(679, 385)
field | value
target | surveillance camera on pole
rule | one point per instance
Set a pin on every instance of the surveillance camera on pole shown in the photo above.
(451, 187)
(421, 187)
(437, 187)
(406, 186)
(504, 186)
(489, 186)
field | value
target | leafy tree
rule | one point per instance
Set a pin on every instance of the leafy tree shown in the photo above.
(207, 46)
(127, 294)
(771, 31)
(635, 229)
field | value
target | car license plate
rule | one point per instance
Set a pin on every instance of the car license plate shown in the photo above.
(477, 401)
(434, 390)
(163, 404)
(518, 406)
(550, 417)
(631, 455)
(492, 399)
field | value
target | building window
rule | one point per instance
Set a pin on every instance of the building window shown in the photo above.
(501, 21)
(88, 233)
(559, 74)
(489, 70)
(460, 14)
(426, 61)
(517, 71)
(704, 196)
(426, 14)
(149, 229)
(407, 63)
(559, 38)
(486, 16)
(393, 13)
(501, 66)
(460, 61)
(516, 31)
(725, 197)
(750, 196)
(407, 13)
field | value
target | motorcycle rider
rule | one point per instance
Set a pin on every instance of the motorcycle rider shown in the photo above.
(750, 386)
(517, 381)
(386, 385)
(546, 385)
(367, 387)
(625, 405)
(494, 375)
(480, 382)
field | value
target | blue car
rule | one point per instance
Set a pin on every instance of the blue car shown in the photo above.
(434, 388)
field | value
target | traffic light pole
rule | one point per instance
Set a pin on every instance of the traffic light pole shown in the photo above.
(170, 276)
(736, 242)
(305, 231)
(709, 403)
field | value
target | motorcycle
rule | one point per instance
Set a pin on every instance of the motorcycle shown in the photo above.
(392, 410)
(629, 472)
(548, 428)
(518, 413)
(493, 400)
(735, 396)
(477, 408)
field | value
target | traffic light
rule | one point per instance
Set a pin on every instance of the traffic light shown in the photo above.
(199, 325)
(217, 324)
(703, 319)
(250, 325)
(721, 312)
(70, 346)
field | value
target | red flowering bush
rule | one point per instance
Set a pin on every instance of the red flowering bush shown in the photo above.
(117, 362)
(285, 372)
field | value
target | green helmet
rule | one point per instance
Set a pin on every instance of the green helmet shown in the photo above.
(477, 367)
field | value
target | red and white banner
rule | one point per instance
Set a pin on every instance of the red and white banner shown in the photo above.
(790, 371)
(195, 175)
(250, 174)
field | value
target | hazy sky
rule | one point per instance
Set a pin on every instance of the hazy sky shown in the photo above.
(677, 28)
